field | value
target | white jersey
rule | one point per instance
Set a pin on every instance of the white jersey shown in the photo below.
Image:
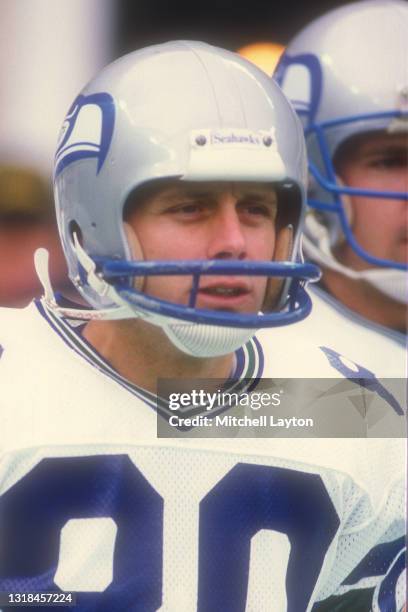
(92, 501)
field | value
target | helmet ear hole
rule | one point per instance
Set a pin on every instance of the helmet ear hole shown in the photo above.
(283, 250)
(289, 206)
(73, 228)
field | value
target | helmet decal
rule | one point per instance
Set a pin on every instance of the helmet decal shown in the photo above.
(87, 131)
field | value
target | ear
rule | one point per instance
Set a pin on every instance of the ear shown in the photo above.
(135, 251)
(283, 252)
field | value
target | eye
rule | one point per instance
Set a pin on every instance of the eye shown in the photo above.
(391, 160)
(258, 209)
(189, 209)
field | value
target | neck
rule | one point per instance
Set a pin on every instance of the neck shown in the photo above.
(142, 353)
(366, 300)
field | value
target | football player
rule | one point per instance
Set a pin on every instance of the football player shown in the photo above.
(180, 191)
(346, 74)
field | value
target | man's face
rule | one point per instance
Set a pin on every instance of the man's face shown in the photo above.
(201, 220)
(376, 161)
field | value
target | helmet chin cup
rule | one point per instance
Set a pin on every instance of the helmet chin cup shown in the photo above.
(206, 341)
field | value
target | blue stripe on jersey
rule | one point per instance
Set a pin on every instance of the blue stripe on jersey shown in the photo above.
(387, 593)
(261, 357)
(240, 363)
(377, 562)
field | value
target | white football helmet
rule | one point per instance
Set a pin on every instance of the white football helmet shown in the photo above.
(346, 74)
(186, 111)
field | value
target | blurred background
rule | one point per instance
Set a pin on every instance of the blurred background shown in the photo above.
(49, 50)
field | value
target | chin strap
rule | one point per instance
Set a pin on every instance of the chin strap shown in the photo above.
(41, 263)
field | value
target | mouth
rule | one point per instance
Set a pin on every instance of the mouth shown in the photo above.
(225, 295)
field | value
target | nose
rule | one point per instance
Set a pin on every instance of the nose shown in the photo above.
(227, 237)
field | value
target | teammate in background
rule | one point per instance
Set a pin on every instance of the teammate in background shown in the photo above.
(182, 160)
(346, 73)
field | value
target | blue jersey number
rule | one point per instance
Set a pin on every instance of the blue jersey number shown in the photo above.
(248, 499)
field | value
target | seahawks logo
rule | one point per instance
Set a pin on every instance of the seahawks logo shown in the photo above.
(362, 377)
(87, 131)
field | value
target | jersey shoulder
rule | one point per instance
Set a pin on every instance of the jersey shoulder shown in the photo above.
(376, 346)
(22, 332)
(56, 389)
(328, 338)
(11, 319)
(17, 326)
